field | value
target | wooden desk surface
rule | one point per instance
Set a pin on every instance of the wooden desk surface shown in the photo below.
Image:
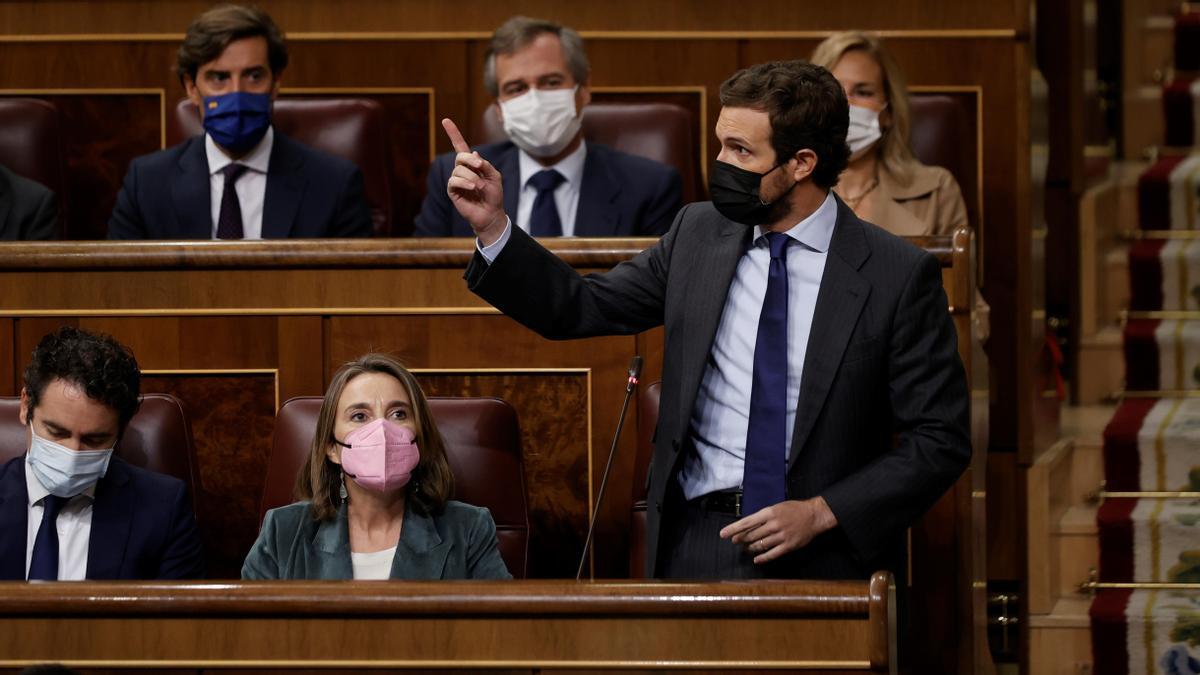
(844, 626)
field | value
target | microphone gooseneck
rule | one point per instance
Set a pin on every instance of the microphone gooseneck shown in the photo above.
(635, 371)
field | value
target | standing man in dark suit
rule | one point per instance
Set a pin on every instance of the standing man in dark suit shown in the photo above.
(69, 509)
(813, 401)
(555, 183)
(242, 179)
(27, 209)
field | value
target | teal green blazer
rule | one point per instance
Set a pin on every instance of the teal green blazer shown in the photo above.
(459, 543)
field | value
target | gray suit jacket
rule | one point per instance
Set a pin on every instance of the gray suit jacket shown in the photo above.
(460, 543)
(881, 426)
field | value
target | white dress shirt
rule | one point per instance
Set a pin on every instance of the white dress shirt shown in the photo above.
(251, 186)
(372, 566)
(566, 195)
(74, 528)
(721, 416)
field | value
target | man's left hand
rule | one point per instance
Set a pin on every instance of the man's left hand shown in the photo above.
(782, 528)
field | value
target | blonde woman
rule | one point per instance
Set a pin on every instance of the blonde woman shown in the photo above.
(375, 493)
(884, 183)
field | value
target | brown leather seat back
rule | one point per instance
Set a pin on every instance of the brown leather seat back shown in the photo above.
(941, 135)
(483, 446)
(647, 421)
(158, 438)
(663, 132)
(351, 128)
(31, 144)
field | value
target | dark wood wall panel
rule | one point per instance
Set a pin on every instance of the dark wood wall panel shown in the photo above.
(553, 412)
(233, 418)
(172, 16)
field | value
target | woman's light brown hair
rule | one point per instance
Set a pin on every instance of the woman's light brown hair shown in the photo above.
(319, 481)
(893, 149)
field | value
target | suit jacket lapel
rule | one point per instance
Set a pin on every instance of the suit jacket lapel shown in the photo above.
(421, 553)
(840, 300)
(597, 215)
(14, 521)
(712, 272)
(329, 556)
(112, 517)
(285, 188)
(191, 194)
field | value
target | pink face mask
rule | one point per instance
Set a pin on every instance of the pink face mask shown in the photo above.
(380, 456)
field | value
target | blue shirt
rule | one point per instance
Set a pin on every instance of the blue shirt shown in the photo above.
(721, 415)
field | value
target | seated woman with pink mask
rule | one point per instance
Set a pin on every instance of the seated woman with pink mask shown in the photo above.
(375, 493)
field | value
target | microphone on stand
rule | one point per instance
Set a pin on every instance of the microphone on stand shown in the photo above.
(635, 371)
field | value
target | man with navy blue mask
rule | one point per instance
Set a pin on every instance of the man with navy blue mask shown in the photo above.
(69, 509)
(242, 179)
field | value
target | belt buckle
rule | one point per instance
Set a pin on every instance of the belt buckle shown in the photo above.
(737, 504)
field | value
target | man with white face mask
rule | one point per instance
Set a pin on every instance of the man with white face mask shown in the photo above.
(556, 184)
(69, 509)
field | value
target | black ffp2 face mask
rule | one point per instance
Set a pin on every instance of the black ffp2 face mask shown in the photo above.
(734, 193)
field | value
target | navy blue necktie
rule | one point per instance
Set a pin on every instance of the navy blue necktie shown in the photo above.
(229, 218)
(766, 438)
(544, 220)
(43, 564)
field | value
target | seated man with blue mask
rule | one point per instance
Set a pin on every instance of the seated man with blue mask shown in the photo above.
(69, 509)
(242, 179)
(555, 183)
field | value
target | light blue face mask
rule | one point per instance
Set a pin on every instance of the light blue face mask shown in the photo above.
(63, 471)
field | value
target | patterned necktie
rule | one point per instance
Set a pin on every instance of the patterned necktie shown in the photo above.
(544, 220)
(43, 565)
(765, 469)
(229, 222)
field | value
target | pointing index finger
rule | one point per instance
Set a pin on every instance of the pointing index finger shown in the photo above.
(456, 137)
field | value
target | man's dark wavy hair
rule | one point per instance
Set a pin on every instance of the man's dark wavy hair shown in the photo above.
(807, 109)
(99, 365)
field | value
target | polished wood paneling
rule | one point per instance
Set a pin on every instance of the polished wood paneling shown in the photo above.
(232, 417)
(752, 625)
(20, 17)
(554, 413)
(102, 131)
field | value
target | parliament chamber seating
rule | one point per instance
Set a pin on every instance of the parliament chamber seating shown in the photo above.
(647, 420)
(31, 144)
(663, 132)
(158, 438)
(483, 446)
(940, 135)
(355, 129)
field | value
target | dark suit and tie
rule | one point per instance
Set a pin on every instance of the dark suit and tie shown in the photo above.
(27, 209)
(309, 194)
(142, 527)
(880, 413)
(620, 196)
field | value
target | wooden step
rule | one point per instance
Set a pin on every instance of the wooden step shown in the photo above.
(1158, 50)
(1101, 365)
(1060, 643)
(1077, 546)
(1143, 120)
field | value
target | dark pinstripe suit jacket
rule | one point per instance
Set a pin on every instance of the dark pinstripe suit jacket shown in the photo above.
(881, 427)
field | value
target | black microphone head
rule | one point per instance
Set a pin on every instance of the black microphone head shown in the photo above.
(635, 367)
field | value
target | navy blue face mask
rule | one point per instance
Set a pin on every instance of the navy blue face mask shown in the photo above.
(237, 121)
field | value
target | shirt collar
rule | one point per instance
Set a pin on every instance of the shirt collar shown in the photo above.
(815, 231)
(257, 159)
(571, 166)
(37, 492)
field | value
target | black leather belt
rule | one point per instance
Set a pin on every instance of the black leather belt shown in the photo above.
(725, 501)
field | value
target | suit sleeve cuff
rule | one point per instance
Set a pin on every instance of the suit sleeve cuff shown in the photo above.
(492, 250)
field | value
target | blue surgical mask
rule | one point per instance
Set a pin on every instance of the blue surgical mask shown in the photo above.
(63, 471)
(237, 121)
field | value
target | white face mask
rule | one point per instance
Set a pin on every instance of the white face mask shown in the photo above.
(864, 131)
(63, 471)
(542, 121)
